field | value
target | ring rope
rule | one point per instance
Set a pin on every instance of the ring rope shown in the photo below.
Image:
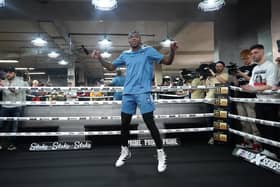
(86, 118)
(254, 120)
(110, 89)
(159, 101)
(263, 92)
(91, 133)
(257, 138)
(255, 100)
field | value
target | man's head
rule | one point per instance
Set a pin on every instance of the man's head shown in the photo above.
(220, 66)
(35, 83)
(245, 56)
(10, 73)
(134, 39)
(257, 53)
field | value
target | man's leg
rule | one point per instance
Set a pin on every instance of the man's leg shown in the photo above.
(150, 122)
(126, 119)
(128, 108)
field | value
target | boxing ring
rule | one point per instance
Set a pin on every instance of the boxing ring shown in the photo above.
(190, 159)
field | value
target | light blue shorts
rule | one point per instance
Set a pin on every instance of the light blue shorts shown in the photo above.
(143, 101)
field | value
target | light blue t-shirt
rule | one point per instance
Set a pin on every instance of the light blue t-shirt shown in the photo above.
(118, 81)
(139, 69)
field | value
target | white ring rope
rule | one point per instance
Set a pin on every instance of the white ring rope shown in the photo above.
(262, 92)
(255, 100)
(110, 89)
(86, 118)
(254, 120)
(257, 138)
(59, 103)
(93, 133)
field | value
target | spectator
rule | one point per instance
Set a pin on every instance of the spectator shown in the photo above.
(13, 110)
(264, 77)
(119, 80)
(242, 77)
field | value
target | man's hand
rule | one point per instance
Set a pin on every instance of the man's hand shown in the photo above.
(173, 46)
(96, 55)
(248, 88)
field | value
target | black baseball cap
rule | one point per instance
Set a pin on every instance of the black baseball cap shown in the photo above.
(10, 69)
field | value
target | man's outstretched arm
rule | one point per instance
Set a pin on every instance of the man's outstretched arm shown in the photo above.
(96, 55)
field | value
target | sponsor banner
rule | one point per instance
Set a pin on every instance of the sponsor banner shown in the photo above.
(60, 146)
(151, 143)
(258, 159)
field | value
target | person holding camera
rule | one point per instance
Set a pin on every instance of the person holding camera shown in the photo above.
(241, 76)
(217, 76)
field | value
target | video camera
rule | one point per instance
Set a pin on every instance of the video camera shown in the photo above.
(232, 68)
(203, 70)
(189, 75)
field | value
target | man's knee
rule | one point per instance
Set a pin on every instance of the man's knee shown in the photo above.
(148, 117)
(126, 118)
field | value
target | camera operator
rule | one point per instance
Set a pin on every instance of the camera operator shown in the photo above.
(217, 76)
(194, 79)
(264, 77)
(242, 77)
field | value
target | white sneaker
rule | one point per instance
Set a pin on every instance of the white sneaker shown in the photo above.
(269, 154)
(125, 154)
(161, 160)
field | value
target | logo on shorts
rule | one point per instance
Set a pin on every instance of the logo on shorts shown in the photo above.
(149, 99)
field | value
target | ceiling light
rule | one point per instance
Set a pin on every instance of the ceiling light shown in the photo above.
(37, 73)
(106, 54)
(166, 43)
(39, 42)
(211, 5)
(2, 3)
(25, 69)
(53, 54)
(8, 61)
(105, 43)
(63, 62)
(104, 5)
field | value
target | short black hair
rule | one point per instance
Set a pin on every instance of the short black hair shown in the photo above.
(134, 33)
(221, 62)
(256, 46)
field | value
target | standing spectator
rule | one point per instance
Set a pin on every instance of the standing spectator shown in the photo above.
(119, 80)
(264, 77)
(12, 110)
(218, 77)
(242, 77)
